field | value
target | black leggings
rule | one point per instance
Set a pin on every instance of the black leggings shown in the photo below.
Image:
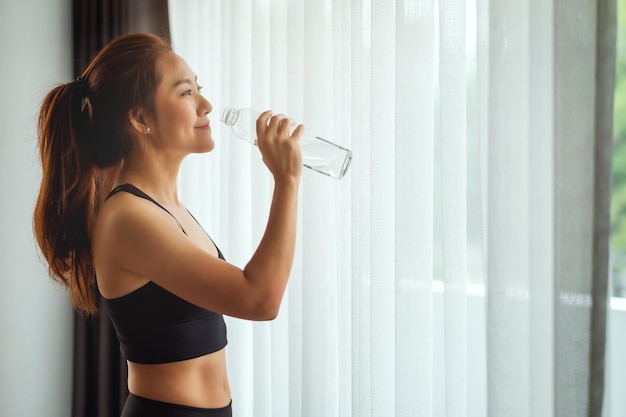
(142, 407)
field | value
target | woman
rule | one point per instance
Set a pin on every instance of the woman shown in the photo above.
(108, 219)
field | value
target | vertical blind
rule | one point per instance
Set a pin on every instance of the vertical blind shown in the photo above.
(452, 271)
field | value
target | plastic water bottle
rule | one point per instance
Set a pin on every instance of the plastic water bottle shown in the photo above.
(318, 154)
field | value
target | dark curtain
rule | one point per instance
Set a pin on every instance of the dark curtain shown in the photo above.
(99, 386)
(606, 54)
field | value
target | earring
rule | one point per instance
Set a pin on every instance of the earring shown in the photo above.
(147, 130)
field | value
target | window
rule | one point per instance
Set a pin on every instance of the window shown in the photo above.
(618, 200)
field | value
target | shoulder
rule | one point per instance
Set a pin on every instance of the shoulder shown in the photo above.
(123, 214)
(129, 231)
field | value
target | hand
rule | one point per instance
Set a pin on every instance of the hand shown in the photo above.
(280, 150)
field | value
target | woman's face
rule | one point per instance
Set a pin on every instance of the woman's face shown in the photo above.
(181, 119)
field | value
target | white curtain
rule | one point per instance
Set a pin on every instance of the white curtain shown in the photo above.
(457, 270)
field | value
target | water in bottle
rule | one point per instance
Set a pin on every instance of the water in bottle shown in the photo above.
(318, 154)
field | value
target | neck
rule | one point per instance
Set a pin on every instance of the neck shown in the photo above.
(155, 175)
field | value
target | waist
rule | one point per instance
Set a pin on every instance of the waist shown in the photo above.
(199, 382)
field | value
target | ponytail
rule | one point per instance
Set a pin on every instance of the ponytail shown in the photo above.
(66, 204)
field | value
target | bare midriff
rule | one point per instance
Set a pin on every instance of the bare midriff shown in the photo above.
(199, 382)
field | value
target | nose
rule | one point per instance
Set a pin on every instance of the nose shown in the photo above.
(205, 106)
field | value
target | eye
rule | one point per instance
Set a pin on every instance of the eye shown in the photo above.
(199, 88)
(186, 93)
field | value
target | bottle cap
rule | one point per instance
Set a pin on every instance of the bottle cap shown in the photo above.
(229, 116)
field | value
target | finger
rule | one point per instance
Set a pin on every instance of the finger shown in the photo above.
(297, 132)
(261, 122)
(285, 126)
(275, 122)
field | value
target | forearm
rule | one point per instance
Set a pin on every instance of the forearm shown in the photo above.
(270, 266)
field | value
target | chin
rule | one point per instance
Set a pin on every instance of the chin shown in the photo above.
(207, 147)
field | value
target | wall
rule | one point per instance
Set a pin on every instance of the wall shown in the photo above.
(35, 317)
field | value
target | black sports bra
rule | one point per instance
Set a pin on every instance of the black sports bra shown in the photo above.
(155, 326)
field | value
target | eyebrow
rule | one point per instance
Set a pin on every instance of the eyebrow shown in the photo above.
(184, 81)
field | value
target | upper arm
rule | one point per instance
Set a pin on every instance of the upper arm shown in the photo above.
(138, 238)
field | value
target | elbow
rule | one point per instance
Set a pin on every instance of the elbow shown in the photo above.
(265, 294)
(267, 309)
(270, 314)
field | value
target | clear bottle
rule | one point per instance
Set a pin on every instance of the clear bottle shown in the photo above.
(318, 154)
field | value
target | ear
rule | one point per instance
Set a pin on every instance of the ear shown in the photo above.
(139, 120)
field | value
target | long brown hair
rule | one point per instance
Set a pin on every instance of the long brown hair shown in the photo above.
(83, 137)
